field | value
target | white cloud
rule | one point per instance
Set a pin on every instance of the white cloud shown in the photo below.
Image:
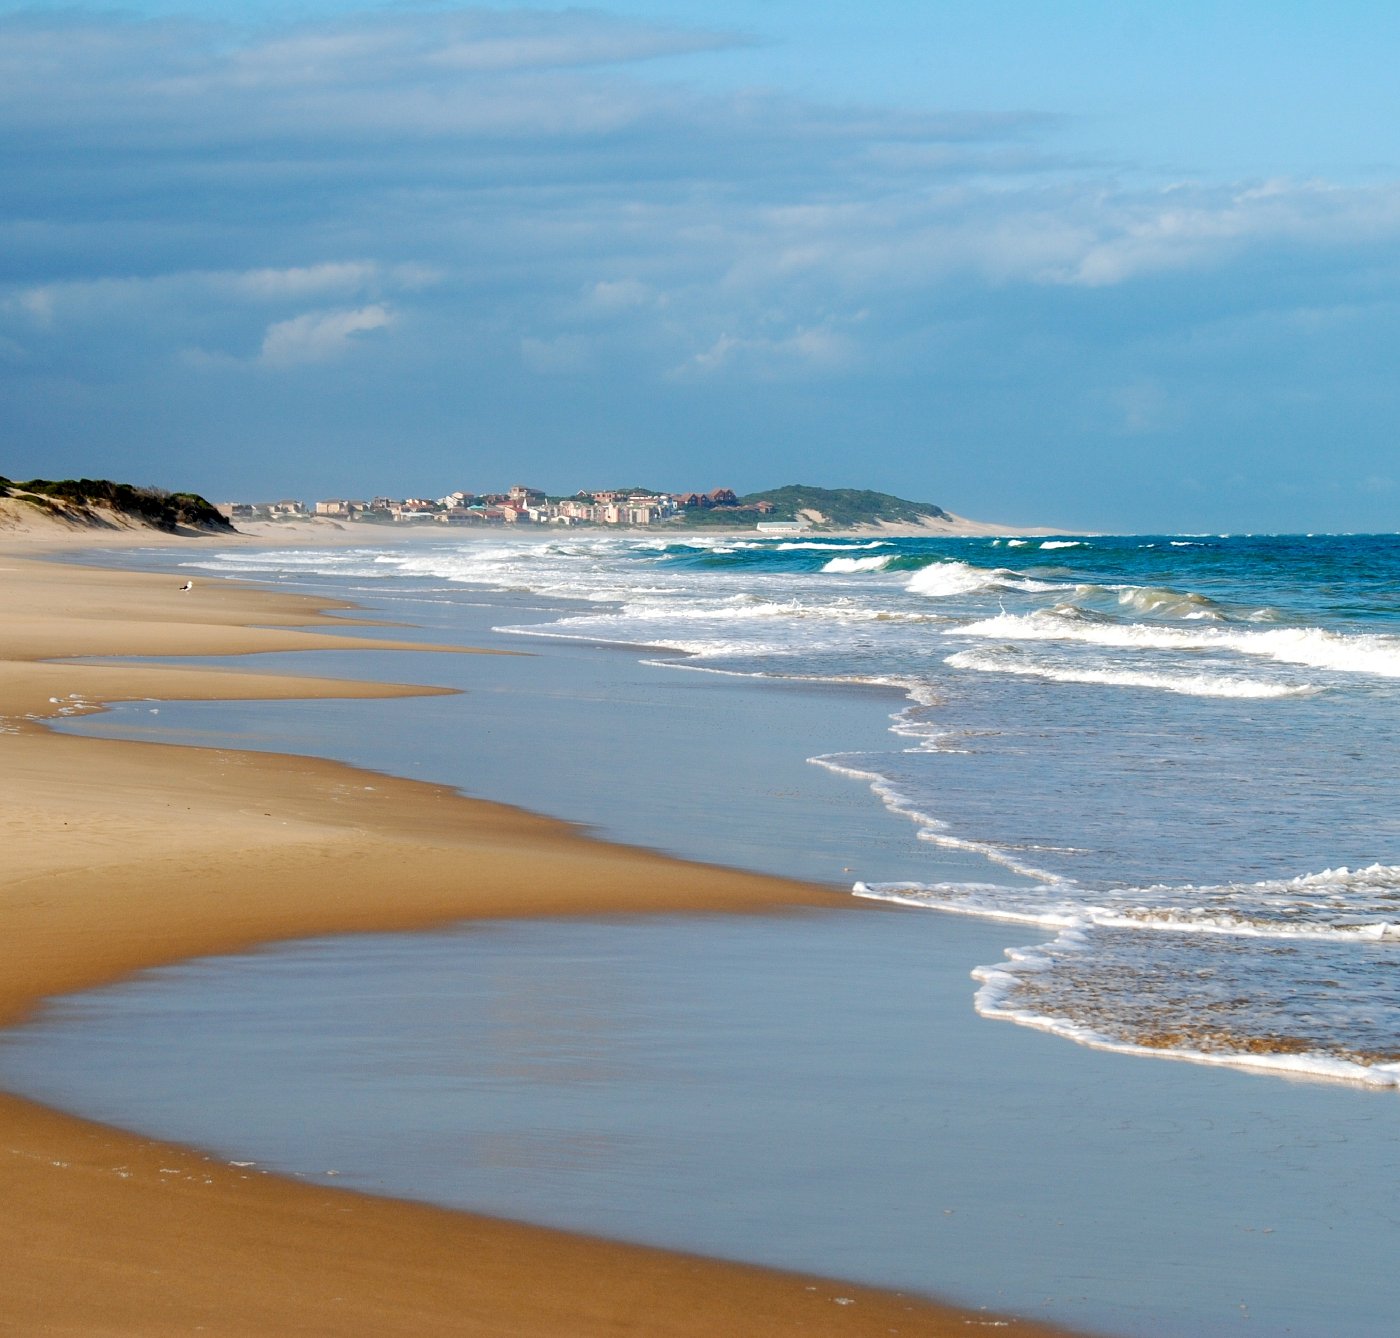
(623, 295)
(101, 298)
(1122, 236)
(305, 281)
(817, 348)
(188, 83)
(480, 40)
(562, 355)
(319, 336)
(38, 304)
(211, 318)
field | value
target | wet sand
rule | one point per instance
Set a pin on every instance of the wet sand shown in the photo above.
(121, 856)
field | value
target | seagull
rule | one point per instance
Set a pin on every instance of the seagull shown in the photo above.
(188, 585)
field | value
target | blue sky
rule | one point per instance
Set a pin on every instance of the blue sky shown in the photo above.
(1099, 265)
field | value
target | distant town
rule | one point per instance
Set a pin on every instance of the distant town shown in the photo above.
(523, 505)
(784, 510)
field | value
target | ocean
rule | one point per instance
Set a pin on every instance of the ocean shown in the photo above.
(1171, 758)
(1118, 800)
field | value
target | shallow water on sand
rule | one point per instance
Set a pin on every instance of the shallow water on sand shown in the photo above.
(809, 1090)
(709, 768)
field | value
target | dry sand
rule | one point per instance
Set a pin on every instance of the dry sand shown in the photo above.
(120, 856)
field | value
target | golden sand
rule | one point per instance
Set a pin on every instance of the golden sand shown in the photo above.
(120, 856)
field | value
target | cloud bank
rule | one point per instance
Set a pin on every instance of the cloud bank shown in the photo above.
(510, 227)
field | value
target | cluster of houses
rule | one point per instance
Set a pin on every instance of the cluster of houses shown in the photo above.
(519, 505)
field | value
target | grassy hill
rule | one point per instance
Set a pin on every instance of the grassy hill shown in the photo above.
(99, 503)
(838, 508)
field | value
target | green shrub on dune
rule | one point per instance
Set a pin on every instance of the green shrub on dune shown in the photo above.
(86, 501)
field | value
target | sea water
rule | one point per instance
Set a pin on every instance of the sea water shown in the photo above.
(1151, 775)
(1170, 758)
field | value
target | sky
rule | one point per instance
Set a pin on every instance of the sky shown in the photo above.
(1099, 264)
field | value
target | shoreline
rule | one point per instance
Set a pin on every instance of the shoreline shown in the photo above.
(125, 855)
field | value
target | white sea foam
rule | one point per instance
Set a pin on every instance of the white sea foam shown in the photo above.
(1000, 984)
(943, 580)
(849, 564)
(709, 647)
(743, 607)
(985, 901)
(814, 545)
(1062, 543)
(330, 562)
(1313, 647)
(931, 829)
(1339, 905)
(1191, 685)
(948, 578)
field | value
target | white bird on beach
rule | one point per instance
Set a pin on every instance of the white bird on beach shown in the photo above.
(188, 585)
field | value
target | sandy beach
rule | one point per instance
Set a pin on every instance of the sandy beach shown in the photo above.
(123, 855)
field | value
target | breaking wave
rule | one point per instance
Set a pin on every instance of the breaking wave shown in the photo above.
(1313, 647)
(848, 564)
(1191, 685)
